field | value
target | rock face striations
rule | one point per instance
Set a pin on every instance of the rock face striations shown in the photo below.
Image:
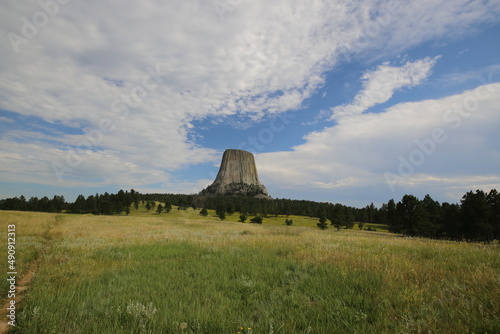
(237, 176)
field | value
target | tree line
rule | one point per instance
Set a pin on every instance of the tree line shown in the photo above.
(57, 204)
(475, 218)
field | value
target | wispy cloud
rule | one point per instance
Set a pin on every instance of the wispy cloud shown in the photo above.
(264, 58)
(379, 85)
(478, 76)
(6, 119)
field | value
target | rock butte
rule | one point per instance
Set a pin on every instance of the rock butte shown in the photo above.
(237, 176)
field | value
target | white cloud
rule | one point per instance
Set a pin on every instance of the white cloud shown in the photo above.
(397, 25)
(263, 58)
(380, 84)
(354, 156)
(33, 162)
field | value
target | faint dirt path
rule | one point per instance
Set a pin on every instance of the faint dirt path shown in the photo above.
(22, 283)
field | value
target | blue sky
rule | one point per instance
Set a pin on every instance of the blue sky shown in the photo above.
(353, 102)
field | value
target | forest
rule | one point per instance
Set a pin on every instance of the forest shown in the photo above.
(475, 218)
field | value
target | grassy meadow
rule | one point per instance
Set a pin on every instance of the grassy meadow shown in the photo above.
(184, 273)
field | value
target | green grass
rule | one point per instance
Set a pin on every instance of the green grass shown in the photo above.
(213, 290)
(32, 232)
(276, 220)
(184, 273)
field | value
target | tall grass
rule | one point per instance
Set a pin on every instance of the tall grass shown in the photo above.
(186, 274)
(32, 232)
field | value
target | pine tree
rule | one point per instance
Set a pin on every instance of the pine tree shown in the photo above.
(220, 211)
(322, 221)
(168, 207)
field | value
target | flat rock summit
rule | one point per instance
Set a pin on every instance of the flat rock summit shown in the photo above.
(237, 176)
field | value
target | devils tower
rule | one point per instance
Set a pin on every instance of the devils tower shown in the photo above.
(237, 176)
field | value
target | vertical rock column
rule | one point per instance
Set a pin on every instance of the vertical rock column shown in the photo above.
(237, 176)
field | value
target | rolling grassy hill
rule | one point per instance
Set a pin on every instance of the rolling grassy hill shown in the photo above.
(184, 273)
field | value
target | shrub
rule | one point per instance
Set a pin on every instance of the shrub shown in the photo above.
(256, 220)
(322, 225)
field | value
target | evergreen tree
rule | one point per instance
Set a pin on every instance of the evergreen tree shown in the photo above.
(371, 212)
(322, 225)
(409, 213)
(337, 217)
(32, 204)
(430, 221)
(493, 199)
(220, 211)
(475, 213)
(322, 221)
(159, 208)
(168, 207)
(391, 216)
(80, 205)
(349, 218)
(92, 205)
(204, 212)
(451, 224)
